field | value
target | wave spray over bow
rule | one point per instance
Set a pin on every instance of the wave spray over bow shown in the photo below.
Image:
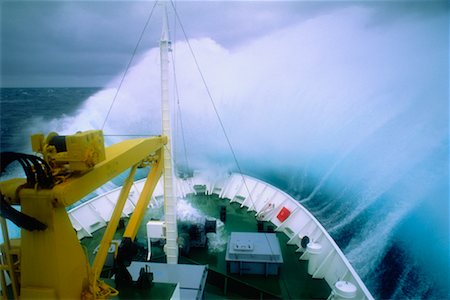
(348, 115)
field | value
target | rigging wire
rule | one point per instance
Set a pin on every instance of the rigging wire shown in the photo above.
(188, 168)
(129, 64)
(179, 116)
(212, 102)
(123, 79)
(221, 125)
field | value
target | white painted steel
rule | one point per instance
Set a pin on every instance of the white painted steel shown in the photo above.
(170, 201)
(266, 202)
(332, 264)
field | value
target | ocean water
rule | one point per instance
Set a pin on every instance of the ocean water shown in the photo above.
(357, 132)
(22, 109)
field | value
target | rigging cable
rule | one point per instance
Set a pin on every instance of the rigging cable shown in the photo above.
(212, 102)
(222, 127)
(126, 72)
(179, 115)
(179, 127)
(129, 64)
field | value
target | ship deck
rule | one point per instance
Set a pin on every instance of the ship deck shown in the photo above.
(293, 281)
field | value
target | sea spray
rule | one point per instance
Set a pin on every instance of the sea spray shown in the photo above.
(358, 129)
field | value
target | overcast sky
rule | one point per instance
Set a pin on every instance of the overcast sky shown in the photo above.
(87, 43)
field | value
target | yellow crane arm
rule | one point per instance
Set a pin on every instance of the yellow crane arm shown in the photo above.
(53, 263)
(119, 157)
(144, 199)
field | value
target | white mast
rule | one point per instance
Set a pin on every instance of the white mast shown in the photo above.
(170, 201)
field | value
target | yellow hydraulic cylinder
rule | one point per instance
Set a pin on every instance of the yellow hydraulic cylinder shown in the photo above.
(100, 258)
(144, 199)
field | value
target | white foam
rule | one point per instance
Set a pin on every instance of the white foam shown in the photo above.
(361, 105)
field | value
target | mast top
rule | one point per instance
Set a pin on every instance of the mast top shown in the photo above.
(165, 37)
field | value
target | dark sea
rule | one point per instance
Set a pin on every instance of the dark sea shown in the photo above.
(21, 108)
(397, 268)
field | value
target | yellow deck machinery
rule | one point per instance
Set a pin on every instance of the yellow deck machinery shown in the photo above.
(49, 261)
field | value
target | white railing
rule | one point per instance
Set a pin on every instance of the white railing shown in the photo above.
(294, 220)
(267, 202)
(92, 215)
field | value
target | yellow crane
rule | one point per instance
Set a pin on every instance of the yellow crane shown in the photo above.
(52, 262)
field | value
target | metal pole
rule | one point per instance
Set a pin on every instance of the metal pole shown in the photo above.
(170, 203)
(9, 262)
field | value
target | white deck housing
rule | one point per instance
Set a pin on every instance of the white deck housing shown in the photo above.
(266, 201)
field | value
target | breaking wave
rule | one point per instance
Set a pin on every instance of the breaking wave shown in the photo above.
(349, 116)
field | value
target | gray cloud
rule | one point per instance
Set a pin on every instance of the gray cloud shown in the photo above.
(60, 40)
(92, 41)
